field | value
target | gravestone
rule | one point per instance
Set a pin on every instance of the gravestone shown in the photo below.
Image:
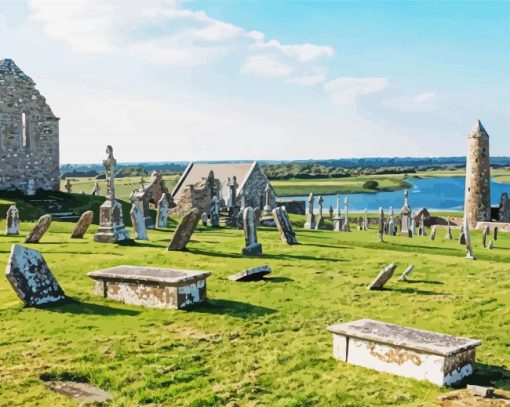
(391, 223)
(331, 213)
(381, 225)
(252, 274)
(469, 249)
(345, 225)
(252, 246)
(423, 230)
(138, 222)
(433, 232)
(82, 225)
(310, 216)
(184, 230)
(504, 208)
(12, 221)
(68, 186)
(365, 220)
(215, 212)
(320, 220)
(31, 278)
(413, 225)
(204, 219)
(490, 246)
(267, 206)
(40, 228)
(406, 273)
(95, 190)
(405, 216)
(495, 233)
(462, 238)
(448, 235)
(485, 232)
(383, 277)
(142, 198)
(360, 223)
(111, 220)
(284, 225)
(162, 212)
(257, 213)
(232, 186)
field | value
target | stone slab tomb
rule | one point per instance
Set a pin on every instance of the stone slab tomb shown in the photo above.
(252, 274)
(284, 226)
(383, 277)
(31, 278)
(82, 225)
(150, 286)
(424, 355)
(12, 221)
(40, 228)
(184, 230)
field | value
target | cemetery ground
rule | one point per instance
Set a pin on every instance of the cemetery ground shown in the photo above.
(252, 343)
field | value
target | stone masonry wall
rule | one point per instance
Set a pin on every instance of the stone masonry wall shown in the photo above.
(33, 163)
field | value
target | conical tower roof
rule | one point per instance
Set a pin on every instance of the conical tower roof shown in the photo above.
(9, 68)
(478, 131)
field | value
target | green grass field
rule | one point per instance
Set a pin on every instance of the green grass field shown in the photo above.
(257, 343)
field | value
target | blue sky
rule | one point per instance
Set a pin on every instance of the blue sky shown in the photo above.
(168, 80)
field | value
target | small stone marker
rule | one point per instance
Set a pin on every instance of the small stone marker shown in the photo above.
(252, 246)
(345, 224)
(82, 225)
(433, 233)
(381, 225)
(184, 230)
(424, 355)
(495, 233)
(320, 220)
(162, 213)
(138, 222)
(204, 219)
(150, 286)
(252, 274)
(284, 225)
(406, 273)
(31, 278)
(215, 212)
(462, 238)
(485, 232)
(12, 221)
(448, 235)
(41, 227)
(383, 277)
(310, 216)
(490, 246)
(469, 249)
(84, 393)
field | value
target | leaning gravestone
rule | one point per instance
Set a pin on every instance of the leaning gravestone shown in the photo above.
(462, 238)
(284, 225)
(485, 232)
(252, 274)
(31, 278)
(433, 233)
(41, 227)
(252, 246)
(162, 214)
(138, 222)
(406, 273)
(12, 221)
(490, 246)
(383, 277)
(82, 225)
(184, 230)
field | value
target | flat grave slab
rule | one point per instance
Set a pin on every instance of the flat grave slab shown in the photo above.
(151, 286)
(415, 353)
(252, 274)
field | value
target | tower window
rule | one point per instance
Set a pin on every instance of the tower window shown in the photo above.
(25, 139)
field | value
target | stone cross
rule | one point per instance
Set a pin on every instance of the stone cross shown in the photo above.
(109, 169)
(267, 205)
(68, 186)
(448, 230)
(12, 221)
(162, 212)
(345, 226)
(310, 216)
(138, 222)
(252, 246)
(96, 189)
(215, 212)
(381, 225)
(469, 249)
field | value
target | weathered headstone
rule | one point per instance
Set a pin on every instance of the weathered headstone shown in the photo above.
(252, 274)
(433, 232)
(31, 278)
(267, 205)
(337, 221)
(84, 393)
(184, 230)
(462, 238)
(345, 225)
(215, 212)
(320, 220)
(485, 232)
(360, 223)
(12, 221)
(448, 235)
(405, 216)
(111, 220)
(504, 208)
(469, 249)
(138, 222)
(391, 223)
(413, 225)
(162, 212)
(331, 213)
(232, 192)
(423, 229)
(381, 224)
(490, 246)
(406, 273)
(95, 190)
(82, 225)
(365, 220)
(383, 277)
(310, 216)
(495, 233)
(252, 246)
(257, 213)
(142, 198)
(204, 219)
(40, 228)
(284, 225)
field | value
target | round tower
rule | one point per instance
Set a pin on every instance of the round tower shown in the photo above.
(477, 201)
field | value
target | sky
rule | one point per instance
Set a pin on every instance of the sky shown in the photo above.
(170, 80)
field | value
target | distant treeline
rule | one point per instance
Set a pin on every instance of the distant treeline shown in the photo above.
(123, 170)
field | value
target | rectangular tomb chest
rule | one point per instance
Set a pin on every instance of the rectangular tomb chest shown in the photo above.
(150, 286)
(423, 355)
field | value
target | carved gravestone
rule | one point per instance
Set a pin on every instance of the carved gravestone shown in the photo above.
(423, 228)
(184, 230)
(382, 278)
(320, 220)
(252, 274)
(82, 225)
(204, 219)
(142, 199)
(162, 214)
(310, 216)
(405, 216)
(365, 220)
(215, 212)
(41, 227)
(337, 221)
(12, 221)
(284, 225)
(31, 278)
(252, 246)
(504, 208)
(495, 233)
(138, 222)
(467, 233)
(257, 214)
(381, 224)
(485, 232)
(267, 206)
(406, 273)
(345, 225)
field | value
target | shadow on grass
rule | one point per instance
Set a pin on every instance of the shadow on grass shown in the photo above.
(277, 279)
(235, 309)
(412, 291)
(424, 281)
(329, 246)
(489, 376)
(264, 256)
(73, 306)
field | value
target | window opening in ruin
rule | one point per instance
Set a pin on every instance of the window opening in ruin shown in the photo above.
(24, 130)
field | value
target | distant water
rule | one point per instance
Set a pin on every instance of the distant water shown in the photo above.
(446, 194)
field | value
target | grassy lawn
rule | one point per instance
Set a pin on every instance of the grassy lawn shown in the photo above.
(257, 343)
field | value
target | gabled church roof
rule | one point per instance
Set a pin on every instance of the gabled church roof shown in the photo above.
(9, 68)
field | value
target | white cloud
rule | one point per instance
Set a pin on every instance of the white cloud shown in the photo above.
(422, 102)
(303, 52)
(307, 80)
(346, 89)
(425, 97)
(266, 65)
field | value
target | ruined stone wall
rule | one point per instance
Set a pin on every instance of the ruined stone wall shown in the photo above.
(254, 191)
(195, 196)
(477, 204)
(32, 162)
